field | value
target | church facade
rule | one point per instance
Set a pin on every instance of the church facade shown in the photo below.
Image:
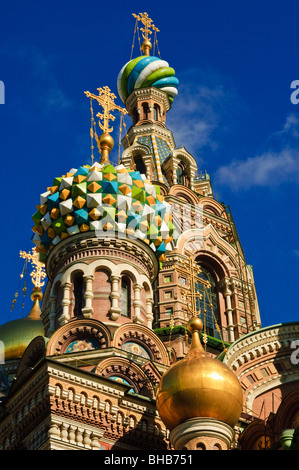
(133, 253)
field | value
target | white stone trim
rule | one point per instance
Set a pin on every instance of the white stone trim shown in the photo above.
(204, 427)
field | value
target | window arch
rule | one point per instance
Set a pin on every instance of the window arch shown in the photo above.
(156, 112)
(200, 446)
(79, 290)
(179, 174)
(208, 304)
(182, 175)
(125, 296)
(140, 166)
(145, 109)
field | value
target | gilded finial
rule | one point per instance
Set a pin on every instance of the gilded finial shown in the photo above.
(195, 327)
(106, 100)
(146, 31)
(38, 273)
(37, 276)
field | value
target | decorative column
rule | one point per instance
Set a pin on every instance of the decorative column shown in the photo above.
(88, 296)
(174, 170)
(229, 312)
(115, 310)
(149, 312)
(64, 317)
(52, 315)
(193, 170)
(137, 304)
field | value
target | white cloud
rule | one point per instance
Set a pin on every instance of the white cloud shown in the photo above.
(201, 111)
(263, 170)
(270, 168)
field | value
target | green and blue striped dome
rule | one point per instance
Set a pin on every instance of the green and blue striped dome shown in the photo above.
(147, 71)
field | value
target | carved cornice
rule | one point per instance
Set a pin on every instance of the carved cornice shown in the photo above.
(148, 129)
(146, 93)
(261, 343)
(84, 247)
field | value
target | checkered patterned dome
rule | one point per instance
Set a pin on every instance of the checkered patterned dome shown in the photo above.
(111, 201)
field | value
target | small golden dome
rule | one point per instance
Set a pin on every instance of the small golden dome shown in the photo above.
(106, 140)
(198, 386)
(17, 334)
(105, 144)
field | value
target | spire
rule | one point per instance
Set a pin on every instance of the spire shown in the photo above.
(146, 31)
(106, 100)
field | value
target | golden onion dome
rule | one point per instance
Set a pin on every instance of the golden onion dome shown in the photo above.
(198, 386)
(17, 334)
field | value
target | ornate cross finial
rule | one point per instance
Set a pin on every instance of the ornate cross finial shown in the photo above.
(146, 31)
(106, 99)
(38, 273)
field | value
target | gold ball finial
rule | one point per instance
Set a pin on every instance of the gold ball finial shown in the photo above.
(106, 141)
(195, 324)
(105, 144)
(146, 47)
(36, 294)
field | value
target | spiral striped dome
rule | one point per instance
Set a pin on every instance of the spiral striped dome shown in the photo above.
(147, 71)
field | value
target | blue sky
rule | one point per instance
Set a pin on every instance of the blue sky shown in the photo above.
(235, 62)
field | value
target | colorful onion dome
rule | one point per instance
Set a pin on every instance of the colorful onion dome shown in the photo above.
(147, 71)
(198, 386)
(107, 200)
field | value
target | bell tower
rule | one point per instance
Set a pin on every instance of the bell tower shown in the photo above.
(204, 228)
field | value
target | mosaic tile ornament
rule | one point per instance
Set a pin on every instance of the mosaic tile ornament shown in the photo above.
(147, 71)
(105, 199)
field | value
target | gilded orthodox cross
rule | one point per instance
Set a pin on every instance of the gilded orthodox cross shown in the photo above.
(190, 270)
(105, 142)
(106, 100)
(38, 273)
(146, 30)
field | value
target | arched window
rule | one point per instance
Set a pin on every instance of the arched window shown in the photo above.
(79, 289)
(179, 175)
(125, 297)
(182, 175)
(156, 112)
(208, 304)
(145, 109)
(140, 166)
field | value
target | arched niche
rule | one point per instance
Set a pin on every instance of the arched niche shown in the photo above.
(184, 193)
(128, 373)
(144, 337)
(214, 207)
(79, 335)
